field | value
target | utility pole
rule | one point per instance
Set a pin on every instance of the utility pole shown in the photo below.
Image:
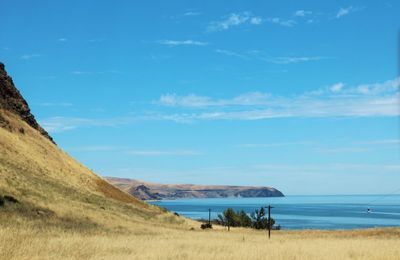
(209, 217)
(269, 221)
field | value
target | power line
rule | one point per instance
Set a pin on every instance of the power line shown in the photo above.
(384, 196)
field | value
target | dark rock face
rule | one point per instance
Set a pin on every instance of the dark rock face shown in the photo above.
(11, 100)
(142, 192)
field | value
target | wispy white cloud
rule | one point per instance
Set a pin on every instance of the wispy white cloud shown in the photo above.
(136, 152)
(395, 142)
(337, 87)
(47, 77)
(234, 20)
(55, 104)
(30, 56)
(94, 40)
(62, 39)
(326, 168)
(349, 147)
(288, 60)
(282, 22)
(164, 152)
(344, 11)
(184, 42)
(368, 100)
(192, 13)
(80, 72)
(61, 124)
(194, 101)
(259, 55)
(302, 13)
(95, 148)
(342, 150)
(231, 53)
(339, 100)
(268, 145)
(256, 20)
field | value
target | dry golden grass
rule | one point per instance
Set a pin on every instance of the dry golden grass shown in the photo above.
(67, 212)
(164, 243)
(53, 187)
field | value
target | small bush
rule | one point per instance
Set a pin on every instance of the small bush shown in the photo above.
(206, 225)
(10, 199)
(21, 130)
(1, 201)
(176, 214)
(256, 220)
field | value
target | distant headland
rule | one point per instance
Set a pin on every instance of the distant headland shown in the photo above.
(156, 191)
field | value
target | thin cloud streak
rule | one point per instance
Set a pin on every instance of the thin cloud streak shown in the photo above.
(136, 152)
(55, 104)
(163, 152)
(234, 20)
(191, 13)
(62, 124)
(30, 56)
(259, 55)
(289, 60)
(332, 168)
(184, 42)
(231, 53)
(80, 72)
(381, 142)
(268, 145)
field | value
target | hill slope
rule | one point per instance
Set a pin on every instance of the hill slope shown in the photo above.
(48, 186)
(151, 191)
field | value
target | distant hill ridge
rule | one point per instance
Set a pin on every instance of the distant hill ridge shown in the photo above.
(156, 191)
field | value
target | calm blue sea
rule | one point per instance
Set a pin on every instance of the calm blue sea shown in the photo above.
(303, 212)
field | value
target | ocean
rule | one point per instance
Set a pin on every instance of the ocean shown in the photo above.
(302, 212)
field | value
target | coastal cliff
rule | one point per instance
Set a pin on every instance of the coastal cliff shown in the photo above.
(155, 191)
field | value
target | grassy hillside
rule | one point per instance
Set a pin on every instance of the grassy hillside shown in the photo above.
(54, 189)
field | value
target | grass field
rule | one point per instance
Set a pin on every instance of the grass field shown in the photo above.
(149, 242)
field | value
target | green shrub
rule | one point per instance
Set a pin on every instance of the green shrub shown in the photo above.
(260, 220)
(256, 220)
(206, 225)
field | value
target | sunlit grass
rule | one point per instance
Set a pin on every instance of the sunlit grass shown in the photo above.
(149, 242)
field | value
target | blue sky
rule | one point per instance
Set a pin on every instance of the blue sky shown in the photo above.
(299, 95)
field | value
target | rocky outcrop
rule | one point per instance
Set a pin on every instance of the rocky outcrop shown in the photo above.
(154, 191)
(142, 192)
(11, 100)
